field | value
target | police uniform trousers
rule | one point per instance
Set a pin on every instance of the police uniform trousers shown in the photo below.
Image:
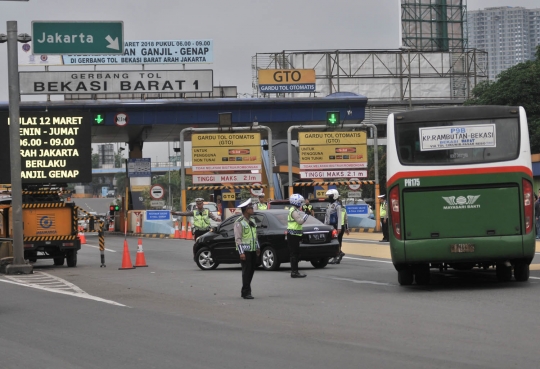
(196, 234)
(248, 269)
(294, 250)
(340, 236)
(384, 228)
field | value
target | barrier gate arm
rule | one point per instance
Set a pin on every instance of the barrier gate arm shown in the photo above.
(99, 232)
(375, 161)
(213, 130)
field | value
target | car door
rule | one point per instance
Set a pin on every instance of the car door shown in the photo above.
(224, 247)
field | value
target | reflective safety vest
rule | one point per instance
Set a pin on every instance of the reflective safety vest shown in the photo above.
(343, 213)
(293, 228)
(382, 210)
(262, 206)
(249, 236)
(201, 220)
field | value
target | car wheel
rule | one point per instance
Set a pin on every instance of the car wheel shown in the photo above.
(269, 259)
(71, 258)
(521, 271)
(320, 263)
(405, 277)
(204, 259)
(59, 261)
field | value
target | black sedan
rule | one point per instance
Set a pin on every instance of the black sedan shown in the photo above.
(319, 242)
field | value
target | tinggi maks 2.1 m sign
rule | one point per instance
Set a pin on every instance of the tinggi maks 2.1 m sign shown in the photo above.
(55, 147)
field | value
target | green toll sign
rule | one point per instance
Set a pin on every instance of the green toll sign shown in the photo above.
(332, 118)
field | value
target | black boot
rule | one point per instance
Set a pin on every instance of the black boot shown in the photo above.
(294, 269)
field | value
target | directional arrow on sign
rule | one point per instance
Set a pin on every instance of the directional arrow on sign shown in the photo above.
(113, 44)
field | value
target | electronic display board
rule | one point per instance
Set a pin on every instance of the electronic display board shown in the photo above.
(55, 147)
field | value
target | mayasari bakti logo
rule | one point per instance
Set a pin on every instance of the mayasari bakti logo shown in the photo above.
(461, 202)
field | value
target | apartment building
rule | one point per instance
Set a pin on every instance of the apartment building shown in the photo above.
(509, 35)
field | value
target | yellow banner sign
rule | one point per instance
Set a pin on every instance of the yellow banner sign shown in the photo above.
(332, 138)
(286, 76)
(333, 154)
(226, 139)
(226, 155)
(320, 193)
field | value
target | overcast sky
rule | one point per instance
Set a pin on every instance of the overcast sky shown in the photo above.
(239, 28)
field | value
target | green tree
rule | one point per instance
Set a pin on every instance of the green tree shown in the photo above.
(517, 86)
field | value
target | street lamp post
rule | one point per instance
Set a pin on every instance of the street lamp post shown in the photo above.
(19, 266)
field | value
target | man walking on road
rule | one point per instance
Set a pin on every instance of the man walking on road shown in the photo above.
(294, 232)
(247, 245)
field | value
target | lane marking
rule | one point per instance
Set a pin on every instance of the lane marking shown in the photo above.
(361, 281)
(42, 278)
(534, 277)
(97, 247)
(377, 261)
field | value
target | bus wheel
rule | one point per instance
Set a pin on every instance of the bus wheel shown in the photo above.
(503, 272)
(422, 274)
(405, 277)
(521, 271)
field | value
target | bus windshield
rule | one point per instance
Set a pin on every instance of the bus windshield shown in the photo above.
(458, 142)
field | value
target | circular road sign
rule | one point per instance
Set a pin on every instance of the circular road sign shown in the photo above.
(354, 187)
(121, 119)
(256, 191)
(157, 192)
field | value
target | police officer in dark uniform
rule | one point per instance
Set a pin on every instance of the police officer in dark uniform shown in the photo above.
(247, 245)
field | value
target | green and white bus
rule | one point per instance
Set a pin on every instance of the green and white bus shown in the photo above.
(460, 191)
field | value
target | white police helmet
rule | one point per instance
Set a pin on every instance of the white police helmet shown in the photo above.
(333, 192)
(296, 199)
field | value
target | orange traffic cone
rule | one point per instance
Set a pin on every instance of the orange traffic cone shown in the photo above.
(126, 259)
(189, 235)
(138, 229)
(183, 234)
(82, 237)
(140, 261)
(176, 231)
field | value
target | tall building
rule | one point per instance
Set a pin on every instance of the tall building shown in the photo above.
(508, 34)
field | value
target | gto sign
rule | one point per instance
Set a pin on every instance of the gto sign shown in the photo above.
(286, 80)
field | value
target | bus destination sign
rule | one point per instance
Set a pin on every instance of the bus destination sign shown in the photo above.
(55, 147)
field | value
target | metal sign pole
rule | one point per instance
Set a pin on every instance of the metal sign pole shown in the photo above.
(19, 265)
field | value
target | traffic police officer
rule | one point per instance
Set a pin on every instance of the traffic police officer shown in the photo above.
(201, 218)
(294, 232)
(247, 245)
(261, 205)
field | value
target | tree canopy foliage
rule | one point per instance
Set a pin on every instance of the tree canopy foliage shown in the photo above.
(517, 86)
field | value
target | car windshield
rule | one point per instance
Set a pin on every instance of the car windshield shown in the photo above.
(283, 219)
(210, 207)
(280, 205)
(320, 205)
